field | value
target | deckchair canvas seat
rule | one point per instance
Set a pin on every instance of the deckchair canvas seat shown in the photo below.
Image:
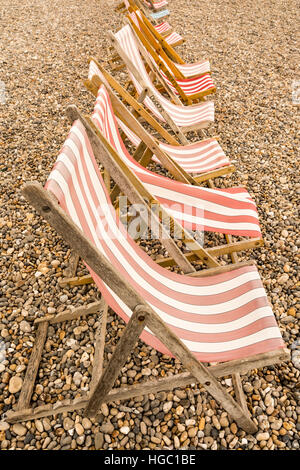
(195, 158)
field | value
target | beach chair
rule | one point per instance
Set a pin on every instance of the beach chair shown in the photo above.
(164, 49)
(220, 315)
(193, 163)
(152, 13)
(164, 29)
(228, 211)
(190, 90)
(180, 118)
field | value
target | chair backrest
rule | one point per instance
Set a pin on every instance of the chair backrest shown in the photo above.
(220, 317)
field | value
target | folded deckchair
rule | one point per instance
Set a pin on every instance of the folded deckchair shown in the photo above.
(164, 48)
(221, 315)
(189, 90)
(202, 160)
(180, 118)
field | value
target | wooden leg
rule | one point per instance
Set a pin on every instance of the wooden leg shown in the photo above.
(99, 349)
(120, 355)
(70, 271)
(33, 366)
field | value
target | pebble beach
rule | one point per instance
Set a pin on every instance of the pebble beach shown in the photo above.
(45, 47)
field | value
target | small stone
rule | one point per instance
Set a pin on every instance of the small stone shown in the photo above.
(39, 426)
(179, 410)
(63, 298)
(86, 423)
(224, 422)
(99, 440)
(202, 424)
(107, 428)
(192, 432)
(4, 426)
(167, 406)
(19, 429)
(124, 430)
(79, 429)
(143, 428)
(233, 428)
(283, 279)
(25, 327)
(77, 378)
(68, 424)
(262, 436)
(15, 384)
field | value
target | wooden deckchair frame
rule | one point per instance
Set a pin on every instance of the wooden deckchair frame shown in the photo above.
(156, 50)
(143, 316)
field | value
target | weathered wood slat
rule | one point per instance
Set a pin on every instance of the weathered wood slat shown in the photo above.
(151, 386)
(32, 367)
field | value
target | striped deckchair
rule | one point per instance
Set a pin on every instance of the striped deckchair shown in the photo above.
(221, 315)
(172, 38)
(229, 210)
(164, 48)
(155, 5)
(203, 160)
(181, 119)
(189, 90)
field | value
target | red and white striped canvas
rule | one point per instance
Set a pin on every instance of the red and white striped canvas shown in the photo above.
(173, 39)
(156, 4)
(219, 318)
(190, 86)
(193, 70)
(163, 27)
(188, 70)
(200, 115)
(199, 157)
(229, 210)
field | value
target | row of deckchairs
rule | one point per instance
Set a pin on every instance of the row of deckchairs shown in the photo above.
(216, 320)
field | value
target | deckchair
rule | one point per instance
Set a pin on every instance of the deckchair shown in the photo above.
(190, 90)
(180, 118)
(164, 48)
(221, 315)
(155, 5)
(196, 162)
(228, 211)
(153, 14)
(163, 30)
(158, 8)
(190, 210)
